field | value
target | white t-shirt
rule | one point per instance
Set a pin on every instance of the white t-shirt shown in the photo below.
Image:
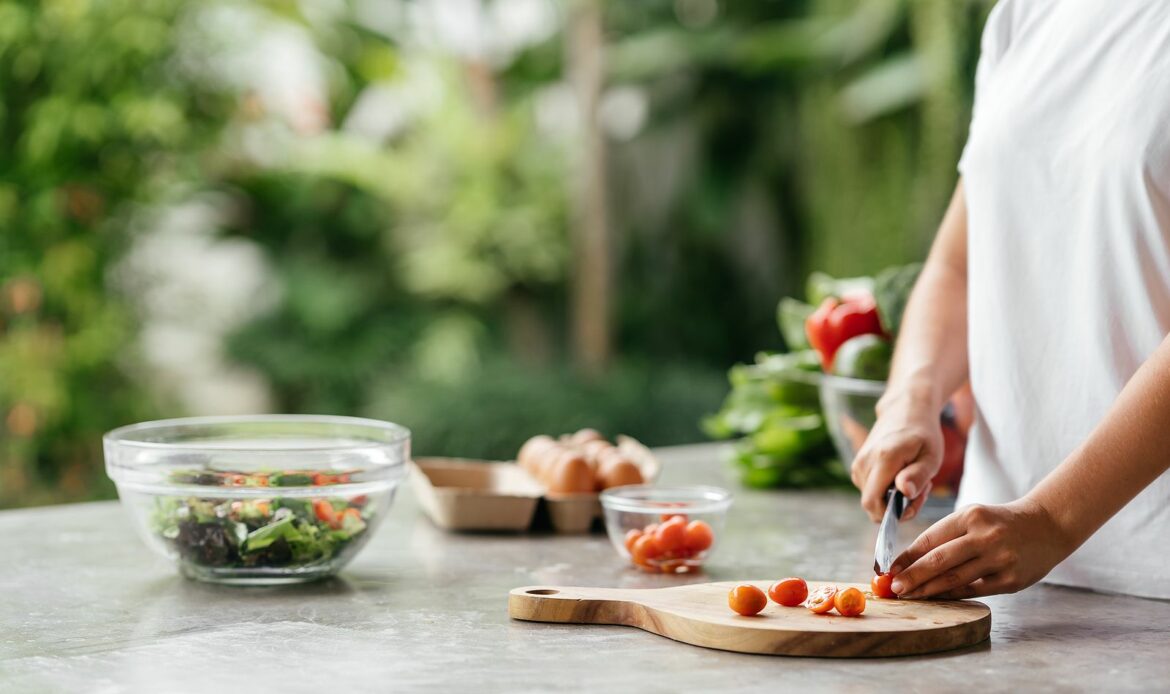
(1067, 178)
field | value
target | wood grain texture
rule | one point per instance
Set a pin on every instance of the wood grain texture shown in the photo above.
(698, 614)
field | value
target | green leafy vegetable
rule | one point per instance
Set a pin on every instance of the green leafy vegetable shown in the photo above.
(791, 315)
(821, 286)
(891, 290)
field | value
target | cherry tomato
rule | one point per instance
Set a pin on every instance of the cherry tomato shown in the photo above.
(789, 592)
(632, 537)
(747, 600)
(850, 602)
(645, 549)
(670, 516)
(880, 585)
(821, 601)
(699, 536)
(324, 511)
(671, 536)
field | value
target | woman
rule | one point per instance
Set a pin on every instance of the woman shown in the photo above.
(1048, 286)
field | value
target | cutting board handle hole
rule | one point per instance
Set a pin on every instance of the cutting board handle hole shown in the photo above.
(542, 591)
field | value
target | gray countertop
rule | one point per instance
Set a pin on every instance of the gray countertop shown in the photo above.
(86, 607)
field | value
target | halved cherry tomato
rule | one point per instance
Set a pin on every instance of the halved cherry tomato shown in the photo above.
(789, 592)
(821, 600)
(351, 512)
(880, 585)
(850, 602)
(747, 600)
(671, 536)
(699, 536)
(263, 508)
(632, 537)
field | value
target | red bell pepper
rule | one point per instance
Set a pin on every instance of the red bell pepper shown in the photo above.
(839, 319)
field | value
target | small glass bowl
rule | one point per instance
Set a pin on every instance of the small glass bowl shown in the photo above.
(260, 499)
(632, 512)
(850, 408)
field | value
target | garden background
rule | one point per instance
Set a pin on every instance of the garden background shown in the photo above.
(482, 219)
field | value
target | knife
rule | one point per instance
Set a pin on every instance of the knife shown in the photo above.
(883, 551)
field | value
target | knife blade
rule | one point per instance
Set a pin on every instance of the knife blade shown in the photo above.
(883, 551)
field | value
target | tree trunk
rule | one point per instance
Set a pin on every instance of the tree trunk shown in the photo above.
(592, 275)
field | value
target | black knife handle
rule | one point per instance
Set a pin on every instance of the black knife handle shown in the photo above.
(893, 496)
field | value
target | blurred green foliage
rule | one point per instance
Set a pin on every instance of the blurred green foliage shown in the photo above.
(91, 124)
(422, 273)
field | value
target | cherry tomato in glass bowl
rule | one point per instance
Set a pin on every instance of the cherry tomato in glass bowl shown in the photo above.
(849, 602)
(671, 530)
(789, 592)
(880, 586)
(821, 600)
(700, 536)
(671, 536)
(747, 600)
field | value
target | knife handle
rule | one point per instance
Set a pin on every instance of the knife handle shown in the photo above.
(893, 496)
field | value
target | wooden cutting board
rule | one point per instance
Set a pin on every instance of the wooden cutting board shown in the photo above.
(698, 614)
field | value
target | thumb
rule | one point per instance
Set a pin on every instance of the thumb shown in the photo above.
(914, 478)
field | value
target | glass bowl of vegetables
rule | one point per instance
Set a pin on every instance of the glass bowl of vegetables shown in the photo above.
(849, 406)
(665, 529)
(261, 499)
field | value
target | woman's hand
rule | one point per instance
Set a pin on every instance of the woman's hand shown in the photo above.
(982, 550)
(905, 448)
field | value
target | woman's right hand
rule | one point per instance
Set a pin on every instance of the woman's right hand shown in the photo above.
(904, 448)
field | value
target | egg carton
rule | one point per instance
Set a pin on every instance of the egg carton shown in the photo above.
(463, 494)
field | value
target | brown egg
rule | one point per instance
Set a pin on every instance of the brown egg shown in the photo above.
(594, 450)
(584, 436)
(529, 452)
(617, 471)
(613, 453)
(545, 461)
(571, 475)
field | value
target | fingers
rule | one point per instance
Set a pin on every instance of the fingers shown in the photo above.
(916, 503)
(937, 562)
(988, 585)
(915, 477)
(936, 535)
(890, 459)
(954, 579)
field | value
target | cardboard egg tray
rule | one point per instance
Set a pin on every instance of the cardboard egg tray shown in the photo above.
(479, 495)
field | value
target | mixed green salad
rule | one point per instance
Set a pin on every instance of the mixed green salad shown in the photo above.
(274, 532)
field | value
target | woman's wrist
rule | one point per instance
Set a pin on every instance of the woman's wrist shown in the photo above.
(1070, 525)
(913, 394)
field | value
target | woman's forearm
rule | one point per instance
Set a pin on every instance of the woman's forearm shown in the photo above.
(1127, 451)
(930, 361)
(1002, 548)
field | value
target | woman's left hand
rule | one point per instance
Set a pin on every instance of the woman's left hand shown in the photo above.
(981, 550)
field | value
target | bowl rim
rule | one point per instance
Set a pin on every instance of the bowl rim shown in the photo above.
(713, 499)
(852, 386)
(123, 436)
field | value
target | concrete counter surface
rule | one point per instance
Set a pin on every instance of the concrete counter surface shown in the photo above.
(85, 607)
